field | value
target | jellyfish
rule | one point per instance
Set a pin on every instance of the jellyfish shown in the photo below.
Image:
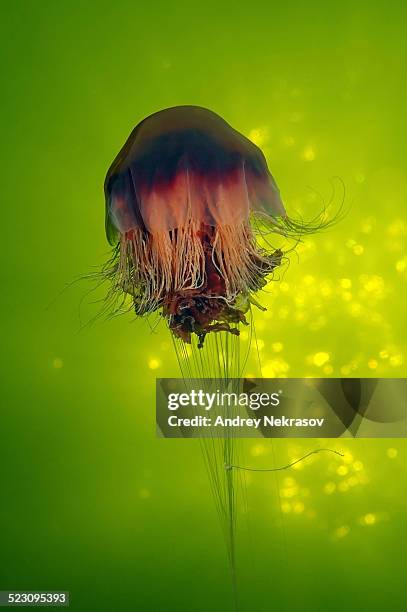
(179, 200)
(190, 209)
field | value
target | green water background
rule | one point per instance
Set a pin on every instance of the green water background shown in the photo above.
(91, 501)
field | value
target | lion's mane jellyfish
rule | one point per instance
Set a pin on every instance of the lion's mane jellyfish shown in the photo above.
(180, 197)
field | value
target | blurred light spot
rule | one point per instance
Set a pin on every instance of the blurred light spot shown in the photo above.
(342, 470)
(286, 507)
(396, 360)
(258, 136)
(372, 364)
(309, 280)
(360, 177)
(396, 227)
(257, 450)
(348, 457)
(58, 363)
(355, 309)
(384, 354)
(374, 284)
(392, 453)
(299, 507)
(325, 289)
(277, 347)
(358, 466)
(328, 369)
(154, 364)
(343, 486)
(308, 154)
(329, 488)
(342, 531)
(368, 519)
(358, 249)
(289, 492)
(401, 265)
(346, 283)
(320, 358)
(367, 226)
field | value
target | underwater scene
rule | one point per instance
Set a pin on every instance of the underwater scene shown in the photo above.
(93, 501)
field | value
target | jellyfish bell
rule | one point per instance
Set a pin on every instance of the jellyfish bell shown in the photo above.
(179, 199)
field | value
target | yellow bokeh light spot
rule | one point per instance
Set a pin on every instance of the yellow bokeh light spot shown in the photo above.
(348, 457)
(289, 492)
(320, 359)
(325, 289)
(299, 507)
(392, 453)
(358, 466)
(342, 531)
(286, 507)
(329, 488)
(58, 363)
(372, 364)
(308, 154)
(401, 265)
(258, 136)
(346, 283)
(277, 347)
(343, 486)
(369, 519)
(309, 280)
(257, 450)
(358, 249)
(396, 360)
(342, 470)
(154, 364)
(367, 226)
(374, 284)
(355, 309)
(396, 228)
(328, 369)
